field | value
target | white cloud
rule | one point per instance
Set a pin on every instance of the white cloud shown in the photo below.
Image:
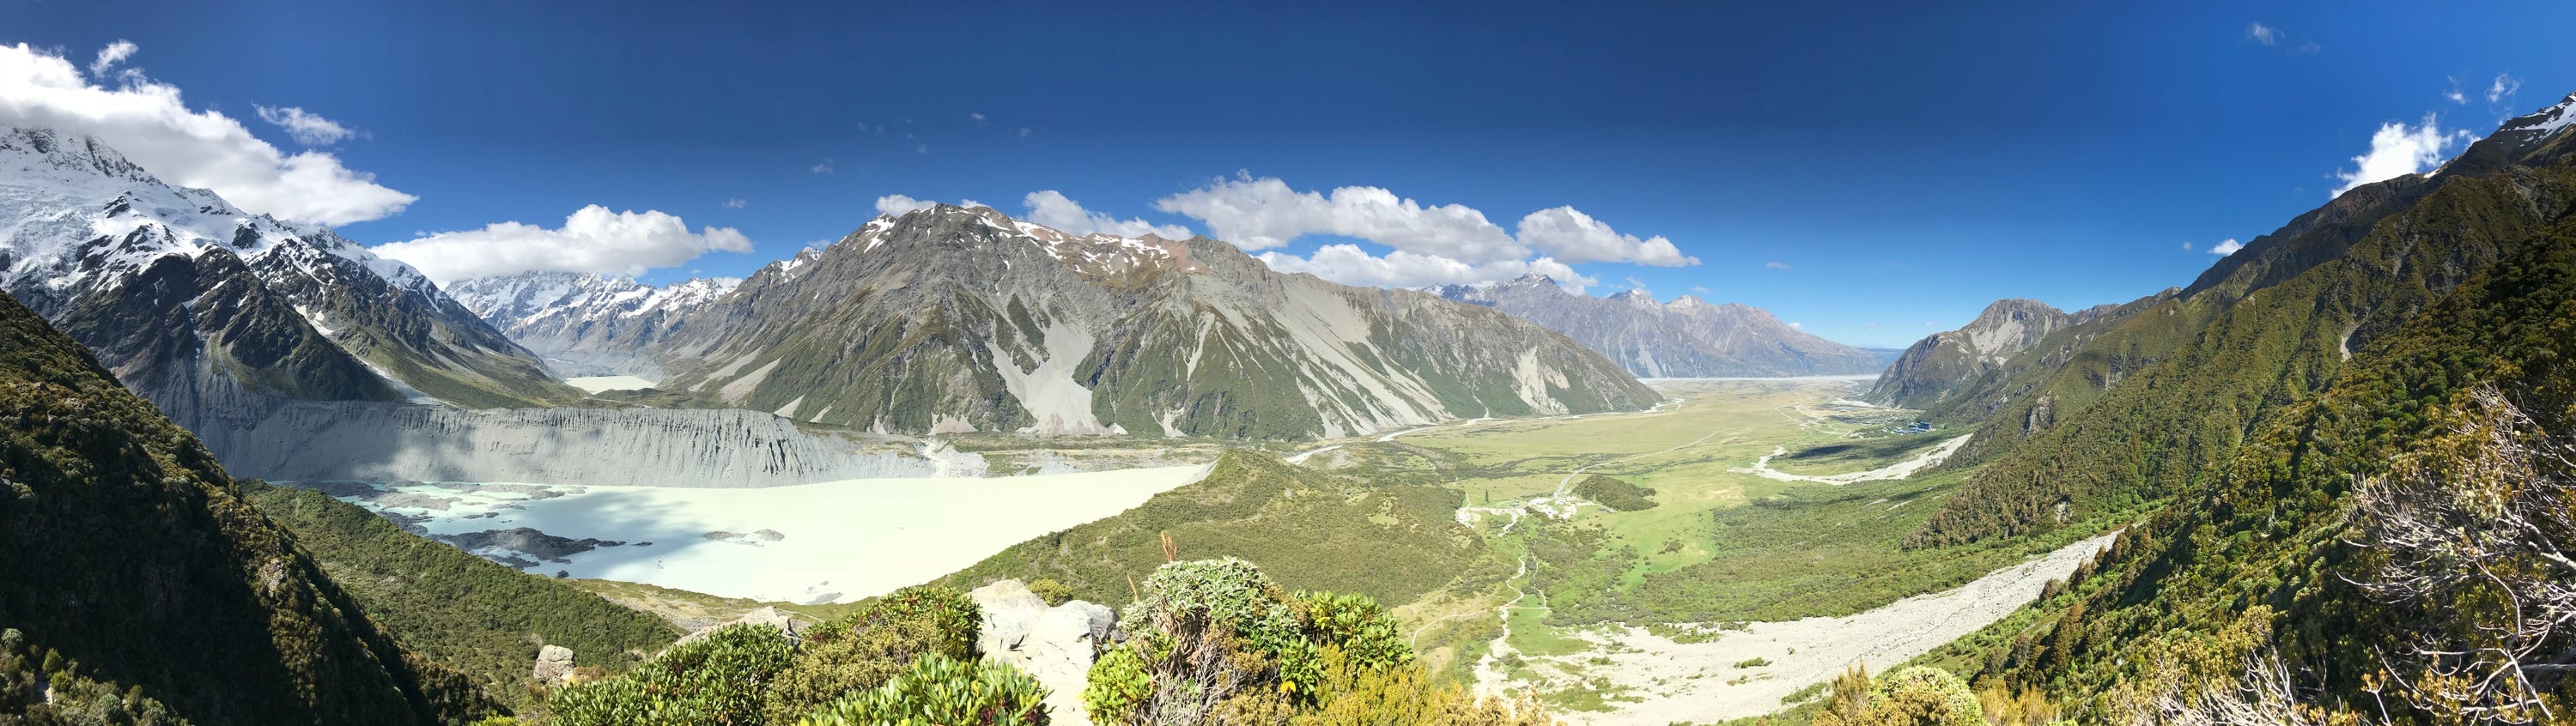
(921, 149)
(309, 129)
(2504, 87)
(897, 205)
(1258, 214)
(1798, 326)
(2186, 247)
(111, 55)
(1350, 265)
(1701, 289)
(2261, 33)
(1775, 265)
(2223, 248)
(976, 117)
(1024, 131)
(1052, 208)
(1429, 243)
(822, 168)
(1638, 285)
(2397, 150)
(591, 240)
(149, 123)
(1574, 238)
(737, 203)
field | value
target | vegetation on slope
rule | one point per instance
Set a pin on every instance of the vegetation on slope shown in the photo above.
(2272, 588)
(130, 552)
(1210, 641)
(462, 611)
(2244, 344)
(1309, 529)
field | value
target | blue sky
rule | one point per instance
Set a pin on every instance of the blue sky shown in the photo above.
(1870, 172)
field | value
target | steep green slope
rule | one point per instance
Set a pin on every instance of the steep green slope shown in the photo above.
(2252, 336)
(1313, 531)
(129, 551)
(462, 611)
(2264, 559)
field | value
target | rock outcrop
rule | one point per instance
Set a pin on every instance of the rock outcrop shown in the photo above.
(1054, 645)
(554, 663)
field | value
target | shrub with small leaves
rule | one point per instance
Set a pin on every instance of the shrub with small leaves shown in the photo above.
(720, 679)
(863, 650)
(941, 691)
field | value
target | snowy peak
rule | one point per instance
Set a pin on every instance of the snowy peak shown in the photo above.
(509, 301)
(1688, 337)
(240, 307)
(2544, 122)
(1095, 256)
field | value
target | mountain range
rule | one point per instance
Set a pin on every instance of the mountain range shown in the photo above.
(216, 314)
(953, 319)
(1686, 338)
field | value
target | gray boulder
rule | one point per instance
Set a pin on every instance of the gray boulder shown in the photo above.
(553, 663)
(1055, 645)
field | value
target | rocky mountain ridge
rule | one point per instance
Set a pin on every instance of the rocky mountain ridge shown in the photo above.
(952, 319)
(1687, 338)
(213, 313)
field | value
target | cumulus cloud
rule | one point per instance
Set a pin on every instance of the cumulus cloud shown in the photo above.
(307, 128)
(2504, 87)
(111, 55)
(1258, 214)
(897, 205)
(2263, 34)
(1052, 208)
(1350, 265)
(1440, 243)
(151, 125)
(2223, 248)
(737, 203)
(1574, 237)
(2397, 150)
(591, 240)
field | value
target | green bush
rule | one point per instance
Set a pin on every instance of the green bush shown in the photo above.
(861, 651)
(1356, 624)
(941, 691)
(721, 679)
(1616, 494)
(1053, 592)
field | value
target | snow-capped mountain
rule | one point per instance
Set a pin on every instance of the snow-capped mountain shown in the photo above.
(586, 324)
(206, 309)
(952, 319)
(1687, 338)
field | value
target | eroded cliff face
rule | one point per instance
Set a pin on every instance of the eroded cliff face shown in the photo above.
(308, 440)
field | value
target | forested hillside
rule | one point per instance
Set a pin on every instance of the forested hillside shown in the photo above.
(457, 609)
(2260, 332)
(2393, 548)
(133, 560)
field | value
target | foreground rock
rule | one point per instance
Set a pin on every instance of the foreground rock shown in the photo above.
(554, 662)
(1054, 645)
